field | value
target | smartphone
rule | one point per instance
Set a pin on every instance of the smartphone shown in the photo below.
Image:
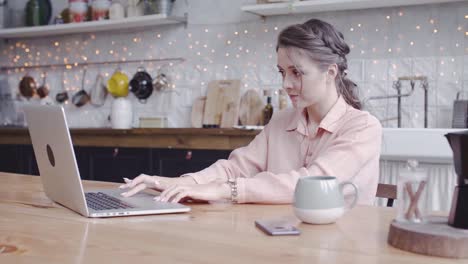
(277, 228)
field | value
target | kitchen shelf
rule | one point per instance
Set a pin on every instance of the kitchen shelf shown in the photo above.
(314, 6)
(91, 26)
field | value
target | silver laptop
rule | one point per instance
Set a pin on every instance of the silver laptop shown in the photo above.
(55, 157)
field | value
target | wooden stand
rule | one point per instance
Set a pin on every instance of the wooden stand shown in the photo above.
(434, 238)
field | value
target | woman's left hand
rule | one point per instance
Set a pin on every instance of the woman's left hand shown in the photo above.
(205, 192)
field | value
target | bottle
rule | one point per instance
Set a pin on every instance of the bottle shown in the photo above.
(116, 11)
(267, 111)
(148, 7)
(33, 13)
(3, 13)
(135, 8)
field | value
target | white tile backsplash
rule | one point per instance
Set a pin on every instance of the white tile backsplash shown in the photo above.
(426, 66)
(356, 70)
(382, 49)
(417, 98)
(399, 67)
(376, 70)
(447, 92)
(465, 66)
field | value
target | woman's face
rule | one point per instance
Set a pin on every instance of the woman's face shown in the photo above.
(304, 82)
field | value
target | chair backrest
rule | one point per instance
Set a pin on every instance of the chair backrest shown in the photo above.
(388, 191)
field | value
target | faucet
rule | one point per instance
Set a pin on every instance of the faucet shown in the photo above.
(399, 95)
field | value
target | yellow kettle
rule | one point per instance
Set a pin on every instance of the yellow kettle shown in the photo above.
(117, 85)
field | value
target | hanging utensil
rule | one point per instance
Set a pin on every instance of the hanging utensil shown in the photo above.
(27, 86)
(141, 85)
(161, 82)
(62, 97)
(99, 91)
(81, 97)
(43, 90)
(117, 85)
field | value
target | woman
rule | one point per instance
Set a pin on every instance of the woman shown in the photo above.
(325, 134)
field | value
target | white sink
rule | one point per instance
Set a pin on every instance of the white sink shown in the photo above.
(422, 144)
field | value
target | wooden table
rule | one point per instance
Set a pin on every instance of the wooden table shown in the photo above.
(35, 230)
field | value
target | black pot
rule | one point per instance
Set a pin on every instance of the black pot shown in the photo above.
(141, 85)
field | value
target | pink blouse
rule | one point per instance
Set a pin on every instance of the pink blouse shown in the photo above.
(346, 144)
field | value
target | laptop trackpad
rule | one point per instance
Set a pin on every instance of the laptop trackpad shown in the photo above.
(140, 199)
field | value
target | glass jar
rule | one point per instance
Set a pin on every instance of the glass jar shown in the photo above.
(412, 202)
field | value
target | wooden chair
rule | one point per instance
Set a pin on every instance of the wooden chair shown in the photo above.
(388, 191)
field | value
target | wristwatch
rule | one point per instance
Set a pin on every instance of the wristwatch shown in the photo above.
(232, 181)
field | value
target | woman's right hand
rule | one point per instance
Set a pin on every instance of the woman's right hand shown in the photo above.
(157, 183)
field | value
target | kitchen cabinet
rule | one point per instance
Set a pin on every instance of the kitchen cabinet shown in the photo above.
(113, 163)
(10, 159)
(18, 159)
(28, 160)
(21, 159)
(175, 162)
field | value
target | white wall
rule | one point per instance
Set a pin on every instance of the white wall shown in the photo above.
(381, 51)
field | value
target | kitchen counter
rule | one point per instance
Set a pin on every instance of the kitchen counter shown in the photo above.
(398, 144)
(177, 138)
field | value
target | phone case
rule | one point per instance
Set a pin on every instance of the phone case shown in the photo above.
(277, 228)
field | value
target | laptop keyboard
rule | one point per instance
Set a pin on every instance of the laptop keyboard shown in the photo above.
(102, 201)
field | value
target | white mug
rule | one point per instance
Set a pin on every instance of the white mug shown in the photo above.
(319, 199)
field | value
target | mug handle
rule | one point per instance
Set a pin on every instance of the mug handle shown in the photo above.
(356, 193)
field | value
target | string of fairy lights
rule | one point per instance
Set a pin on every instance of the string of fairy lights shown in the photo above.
(248, 44)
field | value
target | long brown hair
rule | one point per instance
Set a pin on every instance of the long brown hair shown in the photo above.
(325, 45)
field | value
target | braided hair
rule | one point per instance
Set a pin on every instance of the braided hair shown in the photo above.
(325, 45)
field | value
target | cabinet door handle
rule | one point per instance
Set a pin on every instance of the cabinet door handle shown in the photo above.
(115, 152)
(189, 155)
